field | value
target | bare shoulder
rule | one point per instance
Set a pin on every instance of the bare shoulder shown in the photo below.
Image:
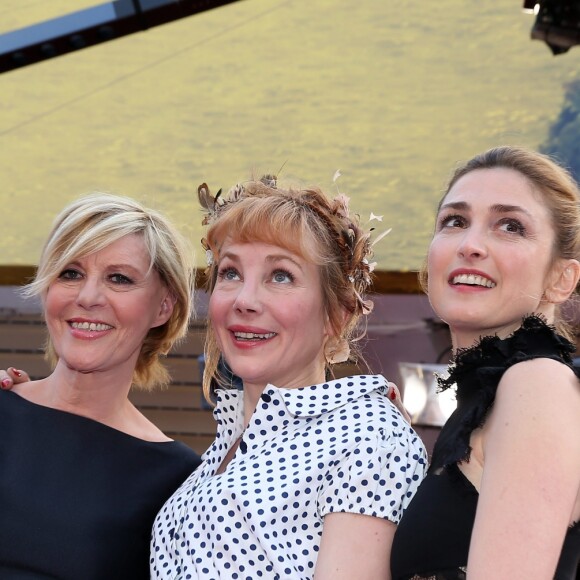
(143, 428)
(539, 393)
(531, 439)
(540, 377)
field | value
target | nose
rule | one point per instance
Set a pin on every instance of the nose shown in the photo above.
(90, 293)
(248, 298)
(473, 244)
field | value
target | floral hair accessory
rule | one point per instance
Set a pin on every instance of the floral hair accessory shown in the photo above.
(354, 241)
(361, 268)
(209, 257)
(213, 205)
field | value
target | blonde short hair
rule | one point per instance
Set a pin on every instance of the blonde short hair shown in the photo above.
(95, 221)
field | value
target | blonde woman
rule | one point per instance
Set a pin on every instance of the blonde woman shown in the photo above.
(82, 472)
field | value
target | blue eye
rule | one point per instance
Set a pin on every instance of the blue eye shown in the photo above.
(228, 273)
(282, 277)
(120, 279)
(70, 274)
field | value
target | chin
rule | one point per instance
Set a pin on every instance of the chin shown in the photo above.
(84, 367)
(249, 376)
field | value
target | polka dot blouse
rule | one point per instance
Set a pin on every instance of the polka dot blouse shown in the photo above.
(340, 446)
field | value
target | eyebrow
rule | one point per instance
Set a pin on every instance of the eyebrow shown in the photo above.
(127, 267)
(496, 208)
(271, 258)
(117, 267)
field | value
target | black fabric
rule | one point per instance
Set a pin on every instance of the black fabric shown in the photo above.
(476, 373)
(432, 539)
(435, 531)
(78, 498)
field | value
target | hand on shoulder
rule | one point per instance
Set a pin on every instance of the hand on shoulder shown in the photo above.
(394, 395)
(11, 377)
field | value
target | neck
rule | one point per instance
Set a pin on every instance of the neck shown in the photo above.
(101, 396)
(252, 394)
(467, 337)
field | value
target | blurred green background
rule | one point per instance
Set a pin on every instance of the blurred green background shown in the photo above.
(392, 94)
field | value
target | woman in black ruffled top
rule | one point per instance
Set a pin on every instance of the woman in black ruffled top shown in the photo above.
(502, 497)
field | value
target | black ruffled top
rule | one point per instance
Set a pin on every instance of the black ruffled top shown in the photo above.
(476, 372)
(432, 540)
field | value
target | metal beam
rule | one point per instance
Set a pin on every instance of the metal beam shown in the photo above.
(91, 26)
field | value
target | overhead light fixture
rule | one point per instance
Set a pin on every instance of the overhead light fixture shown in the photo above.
(426, 407)
(557, 23)
(531, 7)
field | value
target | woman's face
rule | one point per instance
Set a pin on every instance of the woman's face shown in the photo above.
(101, 307)
(491, 255)
(268, 315)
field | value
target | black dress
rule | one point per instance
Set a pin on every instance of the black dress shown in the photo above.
(432, 539)
(78, 498)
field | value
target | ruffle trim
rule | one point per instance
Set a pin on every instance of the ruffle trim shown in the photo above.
(476, 372)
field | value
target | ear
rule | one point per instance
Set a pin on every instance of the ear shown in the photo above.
(564, 279)
(328, 329)
(165, 309)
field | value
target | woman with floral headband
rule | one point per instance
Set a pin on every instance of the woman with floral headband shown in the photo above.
(308, 476)
(502, 497)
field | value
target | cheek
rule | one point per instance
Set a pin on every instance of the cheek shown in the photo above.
(437, 250)
(436, 280)
(134, 317)
(433, 269)
(216, 309)
(526, 270)
(149, 303)
(212, 305)
(53, 303)
(310, 317)
(440, 256)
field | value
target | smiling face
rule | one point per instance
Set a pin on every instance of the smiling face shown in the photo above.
(101, 307)
(267, 313)
(491, 258)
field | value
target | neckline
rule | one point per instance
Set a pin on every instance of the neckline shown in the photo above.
(475, 374)
(534, 338)
(81, 418)
(307, 401)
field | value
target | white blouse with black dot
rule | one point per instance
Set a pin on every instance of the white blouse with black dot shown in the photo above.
(340, 446)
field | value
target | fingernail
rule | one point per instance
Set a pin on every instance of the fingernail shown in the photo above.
(6, 384)
(17, 372)
(393, 395)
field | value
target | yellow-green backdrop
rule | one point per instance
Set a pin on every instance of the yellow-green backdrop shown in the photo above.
(392, 94)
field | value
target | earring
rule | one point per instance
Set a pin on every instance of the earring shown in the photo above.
(337, 352)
